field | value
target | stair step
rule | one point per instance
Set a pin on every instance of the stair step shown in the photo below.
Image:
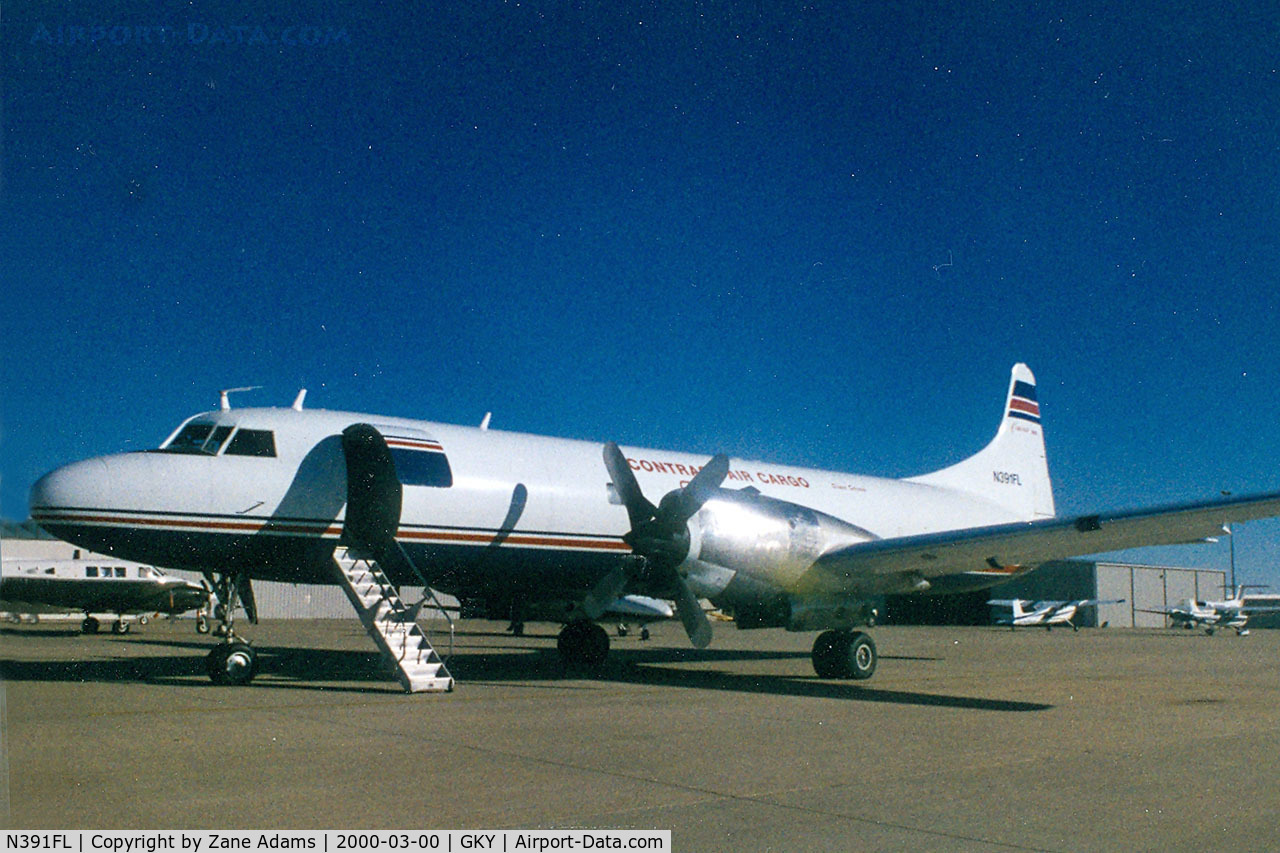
(391, 626)
(442, 684)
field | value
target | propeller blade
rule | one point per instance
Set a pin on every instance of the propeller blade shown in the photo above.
(639, 509)
(691, 615)
(604, 593)
(702, 487)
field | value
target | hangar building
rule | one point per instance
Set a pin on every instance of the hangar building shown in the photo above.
(1141, 588)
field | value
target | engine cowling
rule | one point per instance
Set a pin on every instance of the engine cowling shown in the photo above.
(742, 540)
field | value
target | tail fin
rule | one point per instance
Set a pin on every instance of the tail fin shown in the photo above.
(1011, 471)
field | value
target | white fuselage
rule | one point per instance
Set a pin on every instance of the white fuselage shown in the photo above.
(1218, 614)
(520, 515)
(94, 585)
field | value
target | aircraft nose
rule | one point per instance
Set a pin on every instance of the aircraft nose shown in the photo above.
(78, 485)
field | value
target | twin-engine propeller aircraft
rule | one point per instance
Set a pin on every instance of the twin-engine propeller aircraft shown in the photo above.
(522, 520)
(95, 586)
(1021, 613)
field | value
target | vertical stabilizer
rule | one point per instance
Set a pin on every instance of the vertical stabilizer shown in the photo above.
(1012, 471)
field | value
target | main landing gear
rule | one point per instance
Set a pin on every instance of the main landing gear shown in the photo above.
(90, 625)
(844, 654)
(583, 645)
(233, 661)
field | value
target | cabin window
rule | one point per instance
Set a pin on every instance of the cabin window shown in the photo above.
(91, 571)
(253, 442)
(120, 571)
(422, 467)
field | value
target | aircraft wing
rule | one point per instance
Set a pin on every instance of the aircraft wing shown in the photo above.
(1030, 543)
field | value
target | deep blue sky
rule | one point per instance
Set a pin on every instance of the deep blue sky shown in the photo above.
(810, 233)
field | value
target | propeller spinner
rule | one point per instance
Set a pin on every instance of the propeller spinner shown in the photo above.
(661, 534)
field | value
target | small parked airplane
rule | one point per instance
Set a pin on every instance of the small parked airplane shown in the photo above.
(95, 586)
(1014, 612)
(1211, 615)
(523, 521)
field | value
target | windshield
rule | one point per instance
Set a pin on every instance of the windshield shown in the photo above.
(199, 437)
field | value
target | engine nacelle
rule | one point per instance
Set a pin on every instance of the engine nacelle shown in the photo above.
(759, 543)
(771, 609)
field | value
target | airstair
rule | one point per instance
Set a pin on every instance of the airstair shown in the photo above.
(393, 626)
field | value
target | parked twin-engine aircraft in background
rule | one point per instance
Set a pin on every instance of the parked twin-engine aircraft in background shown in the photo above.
(1231, 612)
(521, 520)
(1021, 613)
(95, 586)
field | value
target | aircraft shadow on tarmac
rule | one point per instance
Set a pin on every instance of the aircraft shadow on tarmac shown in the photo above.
(283, 667)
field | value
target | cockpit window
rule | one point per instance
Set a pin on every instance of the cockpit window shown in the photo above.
(252, 442)
(191, 439)
(207, 439)
(216, 440)
(204, 438)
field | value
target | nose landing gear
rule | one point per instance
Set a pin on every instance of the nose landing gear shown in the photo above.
(233, 661)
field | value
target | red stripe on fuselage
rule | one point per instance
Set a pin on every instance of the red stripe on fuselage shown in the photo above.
(297, 528)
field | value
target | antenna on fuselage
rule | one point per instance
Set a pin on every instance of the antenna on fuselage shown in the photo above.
(224, 403)
(297, 404)
(484, 424)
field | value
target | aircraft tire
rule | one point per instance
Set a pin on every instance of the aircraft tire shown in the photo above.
(120, 627)
(844, 654)
(862, 657)
(232, 663)
(830, 654)
(583, 644)
(202, 625)
(89, 625)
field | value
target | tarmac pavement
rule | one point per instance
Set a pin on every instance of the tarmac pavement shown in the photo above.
(965, 739)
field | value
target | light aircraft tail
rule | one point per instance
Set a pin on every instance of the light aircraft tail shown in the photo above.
(1012, 471)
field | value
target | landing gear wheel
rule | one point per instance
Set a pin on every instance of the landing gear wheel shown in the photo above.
(623, 630)
(119, 627)
(232, 663)
(89, 625)
(844, 654)
(583, 644)
(644, 633)
(202, 624)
